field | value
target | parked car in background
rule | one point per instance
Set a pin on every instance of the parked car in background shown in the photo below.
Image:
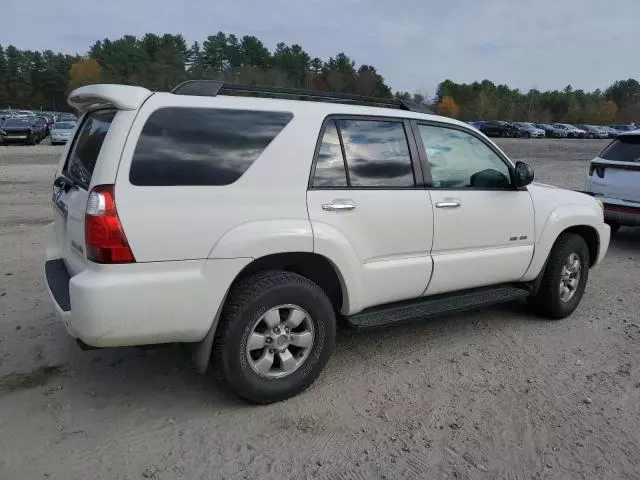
(614, 178)
(611, 132)
(497, 128)
(572, 131)
(529, 130)
(21, 130)
(623, 128)
(39, 125)
(551, 131)
(593, 132)
(61, 131)
(47, 124)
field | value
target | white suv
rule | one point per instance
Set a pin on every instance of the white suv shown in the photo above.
(614, 178)
(249, 226)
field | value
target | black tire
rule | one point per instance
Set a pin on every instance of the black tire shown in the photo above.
(247, 302)
(528, 134)
(504, 134)
(614, 227)
(547, 301)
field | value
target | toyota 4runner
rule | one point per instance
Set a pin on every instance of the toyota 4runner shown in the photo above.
(248, 221)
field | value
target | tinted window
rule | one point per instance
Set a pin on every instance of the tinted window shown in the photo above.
(197, 146)
(377, 153)
(87, 145)
(330, 170)
(458, 159)
(624, 149)
(64, 125)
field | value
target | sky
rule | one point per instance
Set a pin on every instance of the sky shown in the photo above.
(414, 44)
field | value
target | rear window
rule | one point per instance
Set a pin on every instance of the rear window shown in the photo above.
(197, 146)
(625, 148)
(86, 147)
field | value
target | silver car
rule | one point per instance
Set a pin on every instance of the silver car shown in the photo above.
(614, 179)
(61, 132)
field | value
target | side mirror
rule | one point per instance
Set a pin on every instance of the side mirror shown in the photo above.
(523, 174)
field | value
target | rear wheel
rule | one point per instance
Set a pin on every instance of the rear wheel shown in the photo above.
(564, 279)
(275, 336)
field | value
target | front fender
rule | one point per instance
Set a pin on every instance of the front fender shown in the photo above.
(559, 220)
(264, 237)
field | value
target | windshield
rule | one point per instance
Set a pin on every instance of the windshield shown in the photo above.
(64, 125)
(16, 122)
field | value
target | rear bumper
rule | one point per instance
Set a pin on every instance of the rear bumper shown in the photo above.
(622, 214)
(138, 303)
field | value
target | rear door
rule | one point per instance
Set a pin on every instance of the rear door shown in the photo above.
(615, 173)
(367, 194)
(71, 187)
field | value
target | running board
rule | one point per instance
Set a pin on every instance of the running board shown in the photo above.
(427, 307)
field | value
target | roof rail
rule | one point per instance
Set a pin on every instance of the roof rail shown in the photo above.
(211, 88)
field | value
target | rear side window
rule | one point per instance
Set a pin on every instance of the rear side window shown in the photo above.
(86, 147)
(197, 146)
(376, 154)
(330, 171)
(625, 148)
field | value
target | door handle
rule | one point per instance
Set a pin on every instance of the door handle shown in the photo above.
(338, 206)
(448, 204)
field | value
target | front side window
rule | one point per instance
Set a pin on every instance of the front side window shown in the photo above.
(330, 170)
(84, 153)
(458, 159)
(377, 153)
(201, 146)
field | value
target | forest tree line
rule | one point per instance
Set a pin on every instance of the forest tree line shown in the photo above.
(43, 79)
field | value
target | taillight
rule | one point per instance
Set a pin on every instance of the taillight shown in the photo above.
(104, 238)
(599, 169)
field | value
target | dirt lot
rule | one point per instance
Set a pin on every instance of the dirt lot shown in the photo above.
(496, 394)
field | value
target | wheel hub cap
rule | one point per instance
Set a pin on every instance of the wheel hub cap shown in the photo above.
(280, 341)
(570, 277)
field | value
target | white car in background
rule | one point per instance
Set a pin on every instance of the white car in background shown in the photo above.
(614, 179)
(61, 132)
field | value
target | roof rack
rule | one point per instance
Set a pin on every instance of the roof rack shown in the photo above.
(211, 88)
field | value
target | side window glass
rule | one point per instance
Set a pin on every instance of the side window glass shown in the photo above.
(330, 170)
(460, 160)
(377, 153)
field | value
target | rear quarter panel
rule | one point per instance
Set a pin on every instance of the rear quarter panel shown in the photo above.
(193, 222)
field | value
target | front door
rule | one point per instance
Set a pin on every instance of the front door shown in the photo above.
(369, 210)
(484, 227)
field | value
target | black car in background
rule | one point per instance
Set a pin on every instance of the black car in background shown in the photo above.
(497, 128)
(22, 130)
(551, 131)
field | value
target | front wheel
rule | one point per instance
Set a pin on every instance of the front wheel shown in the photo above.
(564, 279)
(275, 336)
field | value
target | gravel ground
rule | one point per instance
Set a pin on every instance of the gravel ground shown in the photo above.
(494, 394)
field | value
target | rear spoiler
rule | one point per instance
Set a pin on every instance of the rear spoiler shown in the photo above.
(122, 97)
